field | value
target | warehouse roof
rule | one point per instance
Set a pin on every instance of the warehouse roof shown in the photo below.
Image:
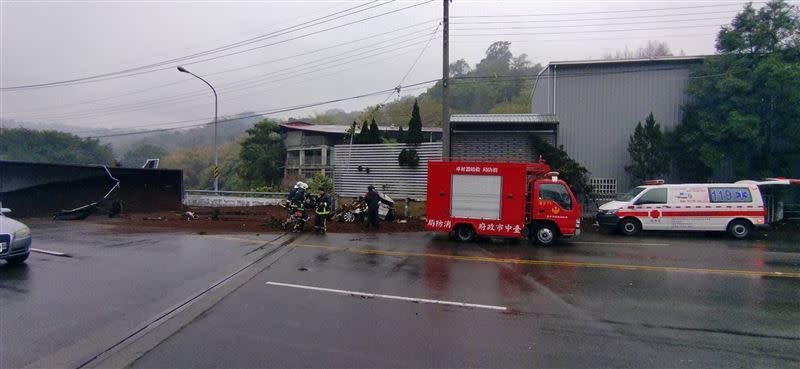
(503, 118)
(624, 61)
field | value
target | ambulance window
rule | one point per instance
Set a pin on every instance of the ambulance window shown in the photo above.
(556, 192)
(653, 196)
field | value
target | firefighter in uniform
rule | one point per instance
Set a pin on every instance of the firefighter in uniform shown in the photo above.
(373, 200)
(323, 209)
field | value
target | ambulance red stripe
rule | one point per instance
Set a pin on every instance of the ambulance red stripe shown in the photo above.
(756, 213)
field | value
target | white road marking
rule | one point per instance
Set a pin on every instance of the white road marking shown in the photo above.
(49, 252)
(618, 243)
(390, 297)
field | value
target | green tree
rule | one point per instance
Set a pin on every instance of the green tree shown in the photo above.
(137, 156)
(197, 164)
(414, 135)
(363, 137)
(401, 135)
(570, 171)
(374, 133)
(746, 105)
(51, 147)
(262, 155)
(320, 181)
(648, 151)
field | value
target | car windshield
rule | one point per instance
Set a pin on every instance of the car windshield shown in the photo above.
(628, 196)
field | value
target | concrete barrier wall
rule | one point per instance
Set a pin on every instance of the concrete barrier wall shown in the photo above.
(38, 189)
(228, 201)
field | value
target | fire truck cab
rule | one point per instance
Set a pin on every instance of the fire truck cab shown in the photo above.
(500, 199)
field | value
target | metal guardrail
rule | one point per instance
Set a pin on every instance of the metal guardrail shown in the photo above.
(236, 193)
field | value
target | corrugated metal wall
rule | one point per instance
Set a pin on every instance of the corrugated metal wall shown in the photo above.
(599, 105)
(501, 145)
(385, 173)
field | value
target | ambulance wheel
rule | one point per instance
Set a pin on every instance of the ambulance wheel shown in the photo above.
(546, 234)
(629, 227)
(739, 228)
(465, 233)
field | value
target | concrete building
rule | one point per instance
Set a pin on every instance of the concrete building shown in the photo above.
(309, 147)
(599, 102)
(499, 136)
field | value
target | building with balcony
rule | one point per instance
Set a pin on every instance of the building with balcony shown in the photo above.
(310, 147)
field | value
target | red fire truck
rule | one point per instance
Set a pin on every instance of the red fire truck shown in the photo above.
(500, 199)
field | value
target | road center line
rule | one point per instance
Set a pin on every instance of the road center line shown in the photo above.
(389, 297)
(50, 252)
(574, 264)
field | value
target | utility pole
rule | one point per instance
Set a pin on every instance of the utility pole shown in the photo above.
(446, 80)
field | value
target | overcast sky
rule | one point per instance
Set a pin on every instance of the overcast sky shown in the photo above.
(53, 41)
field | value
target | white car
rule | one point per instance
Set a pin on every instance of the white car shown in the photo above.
(15, 239)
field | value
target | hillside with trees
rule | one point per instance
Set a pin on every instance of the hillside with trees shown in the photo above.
(52, 147)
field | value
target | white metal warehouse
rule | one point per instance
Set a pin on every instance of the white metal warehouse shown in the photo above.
(599, 102)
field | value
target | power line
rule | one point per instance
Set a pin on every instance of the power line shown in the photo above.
(597, 12)
(133, 71)
(588, 25)
(587, 39)
(593, 19)
(595, 31)
(206, 52)
(290, 72)
(262, 113)
(433, 35)
(235, 69)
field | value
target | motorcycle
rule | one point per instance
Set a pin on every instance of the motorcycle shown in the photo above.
(296, 222)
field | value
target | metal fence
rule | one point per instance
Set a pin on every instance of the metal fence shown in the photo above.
(358, 166)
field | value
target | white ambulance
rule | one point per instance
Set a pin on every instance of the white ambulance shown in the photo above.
(732, 207)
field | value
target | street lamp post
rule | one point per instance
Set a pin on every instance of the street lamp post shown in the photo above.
(216, 105)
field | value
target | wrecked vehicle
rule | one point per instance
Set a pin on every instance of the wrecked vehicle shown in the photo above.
(356, 210)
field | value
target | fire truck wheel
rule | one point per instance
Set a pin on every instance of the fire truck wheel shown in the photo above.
(629, 227)
(465, 233)
(739, 228)
(546, 234)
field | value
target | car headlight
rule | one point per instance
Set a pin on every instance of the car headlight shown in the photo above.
(609, 212)
(22, 233)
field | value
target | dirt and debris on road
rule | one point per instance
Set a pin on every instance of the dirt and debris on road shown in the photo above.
(239, 219)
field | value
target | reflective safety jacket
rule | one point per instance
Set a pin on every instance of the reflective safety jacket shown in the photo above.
(323, 204)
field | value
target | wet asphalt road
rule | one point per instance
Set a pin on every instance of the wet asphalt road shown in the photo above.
(601, 301)
(57, 312)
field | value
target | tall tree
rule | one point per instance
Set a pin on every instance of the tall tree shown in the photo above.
(648, 151)
(414, 135)
(576, 176)
(262, 155)
(363, 136)
(374, 133)
(459, 68)
(746, 105)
